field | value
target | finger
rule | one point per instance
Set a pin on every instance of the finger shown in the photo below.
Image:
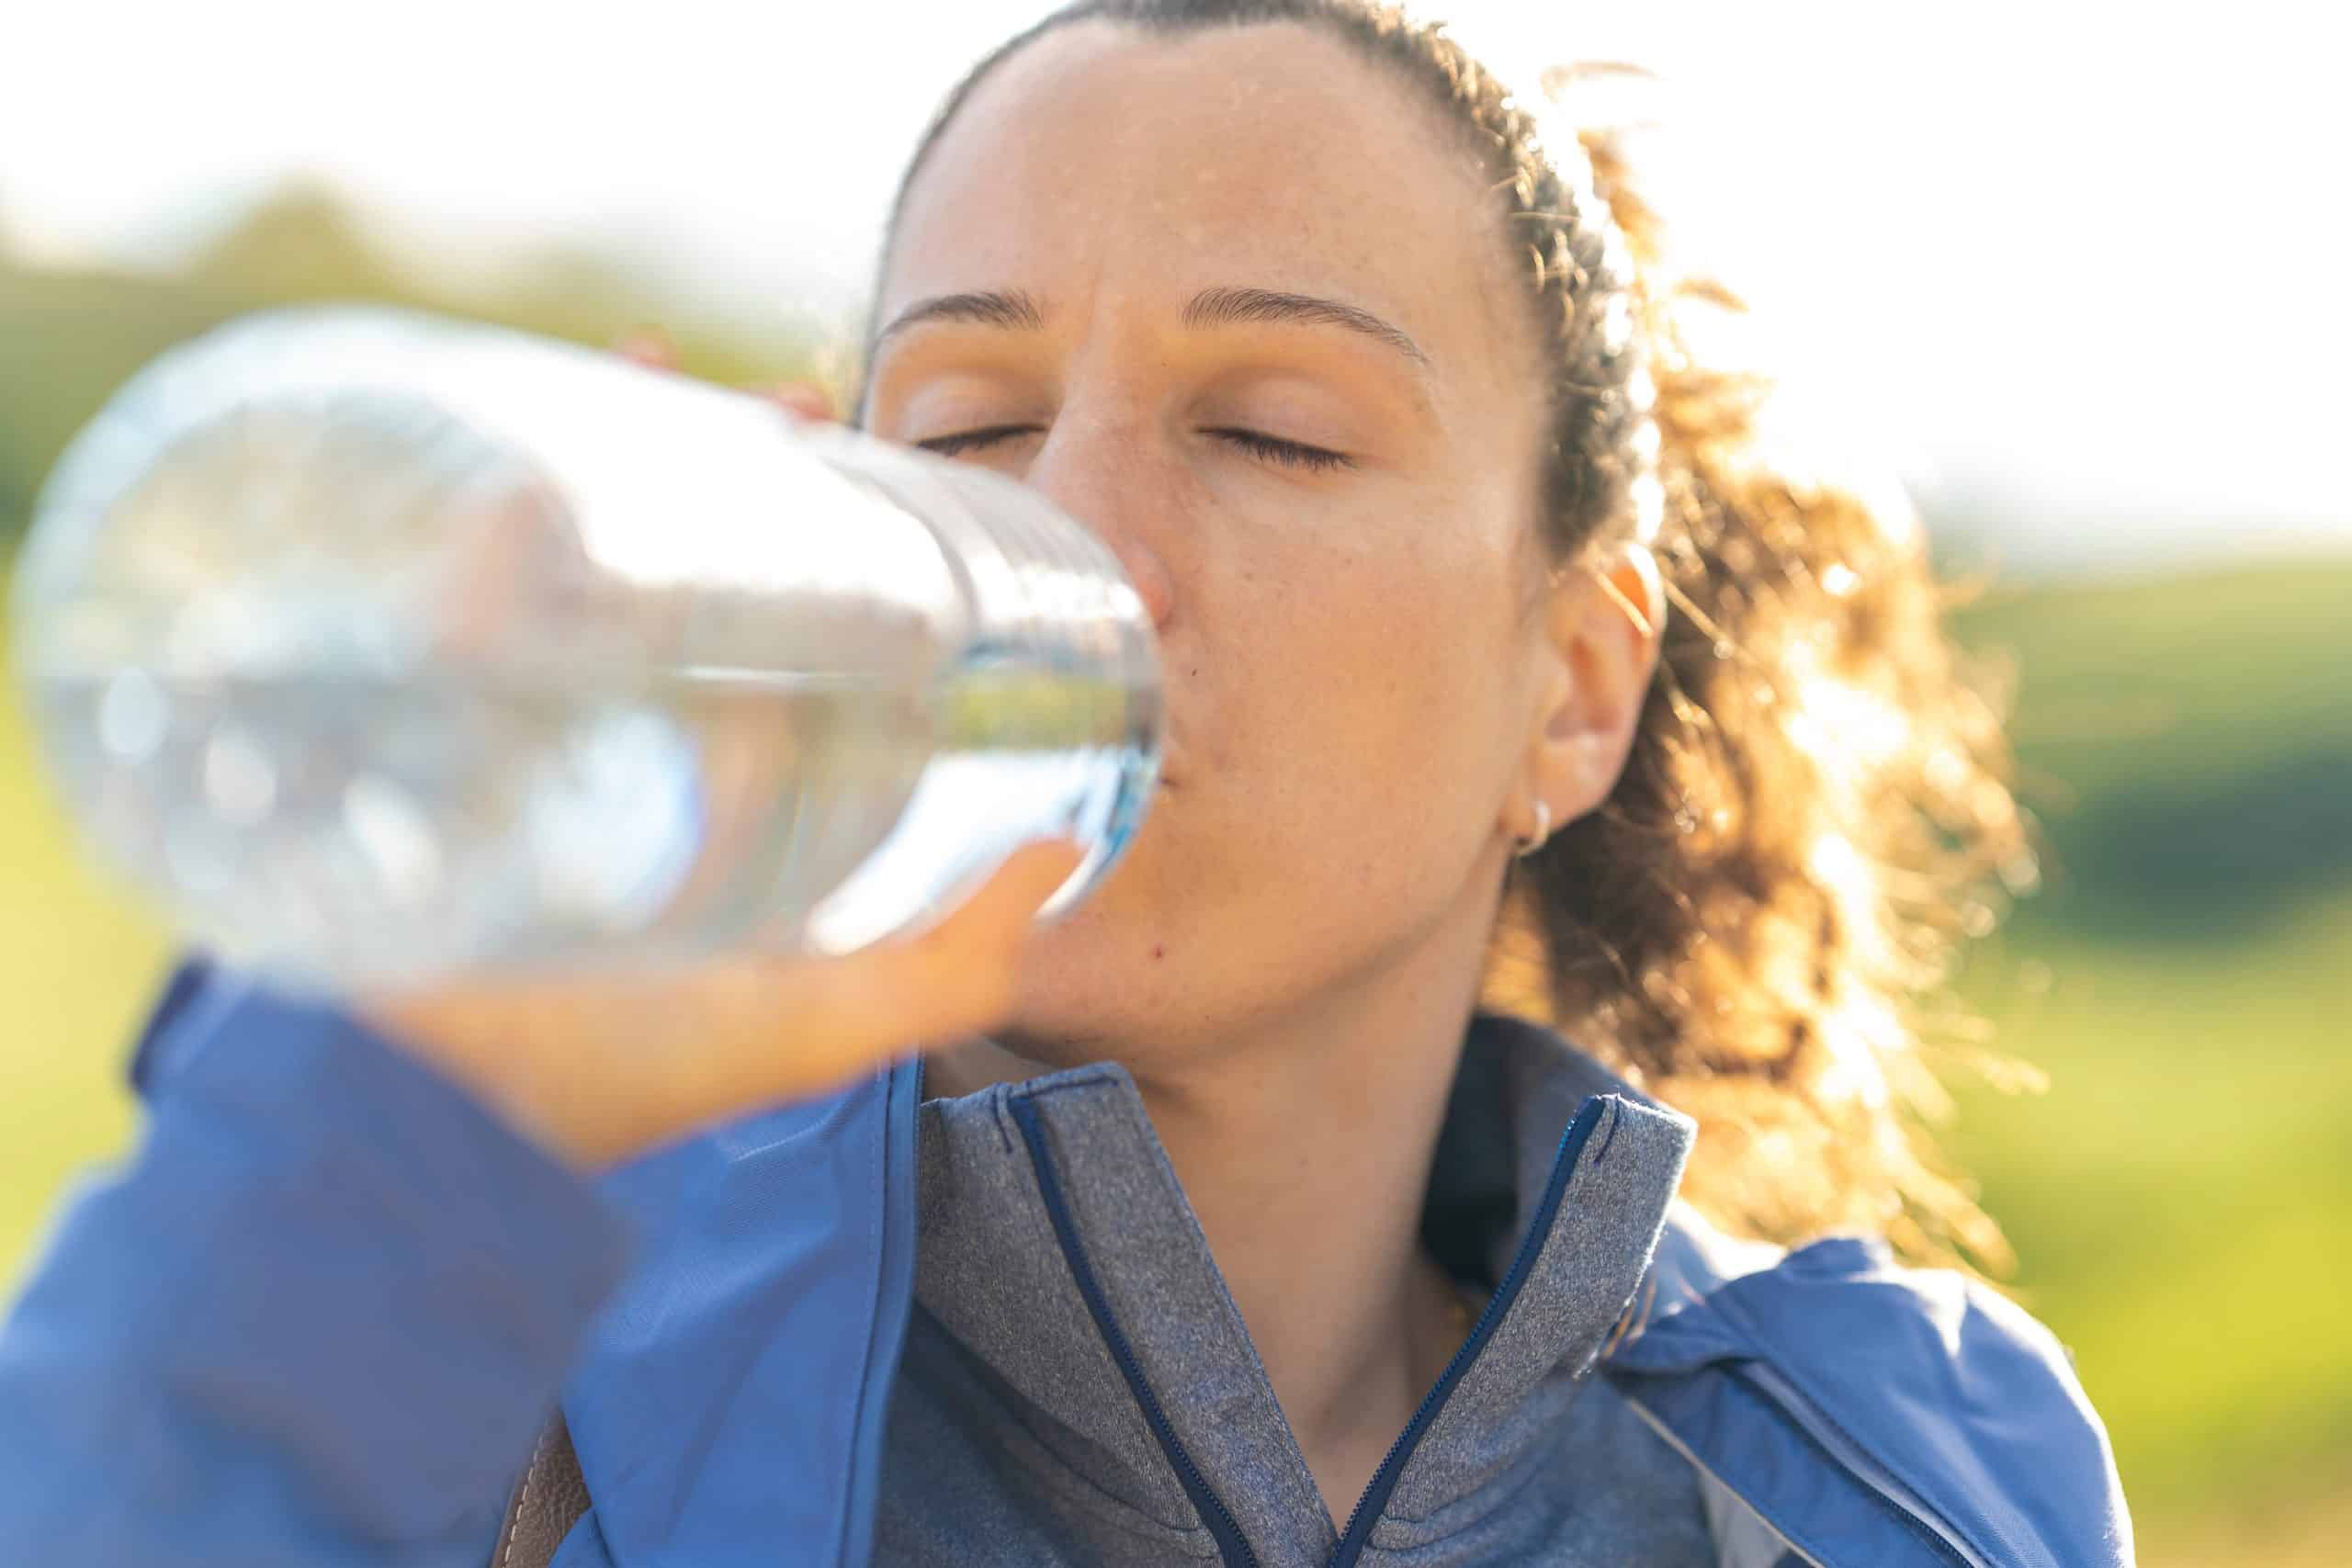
(803, 400)
(716, 1039)
(956, 974)
(956, 977)
(965, 967)
(997, 915)
(1016, 890)
(649, 346)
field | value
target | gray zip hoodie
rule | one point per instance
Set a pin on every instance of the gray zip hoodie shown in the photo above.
(1078, 1388)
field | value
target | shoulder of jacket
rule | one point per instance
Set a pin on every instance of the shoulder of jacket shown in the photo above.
(1943, 1403)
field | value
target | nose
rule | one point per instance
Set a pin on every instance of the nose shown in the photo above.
(1102, 476)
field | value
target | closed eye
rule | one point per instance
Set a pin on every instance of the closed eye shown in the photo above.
(1273, 448)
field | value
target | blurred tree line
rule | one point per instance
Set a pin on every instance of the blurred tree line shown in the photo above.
(68, 338)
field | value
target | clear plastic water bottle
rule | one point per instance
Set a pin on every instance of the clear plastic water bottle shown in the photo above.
(380, 647)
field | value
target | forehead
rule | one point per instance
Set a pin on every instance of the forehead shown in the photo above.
(1104, 156)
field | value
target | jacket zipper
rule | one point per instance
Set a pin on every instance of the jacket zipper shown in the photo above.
(1374, 1501)
(902, 1137)
(1848, 1456)
(1231, 1544)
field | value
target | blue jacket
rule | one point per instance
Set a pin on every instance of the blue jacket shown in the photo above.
(318, 1316)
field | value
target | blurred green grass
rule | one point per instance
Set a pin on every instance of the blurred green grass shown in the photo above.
(69, 338)
(2181, 1198)
(77, 963)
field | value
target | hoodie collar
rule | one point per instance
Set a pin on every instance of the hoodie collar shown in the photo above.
(1058, 1249)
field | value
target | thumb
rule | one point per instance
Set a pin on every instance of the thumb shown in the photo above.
(803, 400)
(649, 346)
(963, 962)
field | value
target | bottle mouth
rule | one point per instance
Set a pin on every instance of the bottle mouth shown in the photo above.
(1138, 783)
(1055, 681)
(1070, 607)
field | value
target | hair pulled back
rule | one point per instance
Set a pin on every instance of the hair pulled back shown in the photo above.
(1759, 923)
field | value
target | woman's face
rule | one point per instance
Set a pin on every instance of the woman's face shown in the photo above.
(1352, 677)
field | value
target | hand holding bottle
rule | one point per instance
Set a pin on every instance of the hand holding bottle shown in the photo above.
(626, 749)
(599, 1067)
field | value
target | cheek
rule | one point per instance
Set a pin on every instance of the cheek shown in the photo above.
(1366, 668)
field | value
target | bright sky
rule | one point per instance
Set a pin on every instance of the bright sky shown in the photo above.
(2082, 254)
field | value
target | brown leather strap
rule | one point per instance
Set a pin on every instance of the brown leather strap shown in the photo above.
(547, 1502)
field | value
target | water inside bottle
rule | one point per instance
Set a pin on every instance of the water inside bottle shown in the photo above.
(333, 829)
(376, 647)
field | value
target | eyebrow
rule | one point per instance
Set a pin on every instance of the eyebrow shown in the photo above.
(988, 307)
(1018, 310)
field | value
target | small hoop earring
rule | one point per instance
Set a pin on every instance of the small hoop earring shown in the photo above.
(1534, 841)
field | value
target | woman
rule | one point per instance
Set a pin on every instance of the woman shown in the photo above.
(1240, 1235)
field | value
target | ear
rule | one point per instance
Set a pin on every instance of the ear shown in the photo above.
(1604, 624)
